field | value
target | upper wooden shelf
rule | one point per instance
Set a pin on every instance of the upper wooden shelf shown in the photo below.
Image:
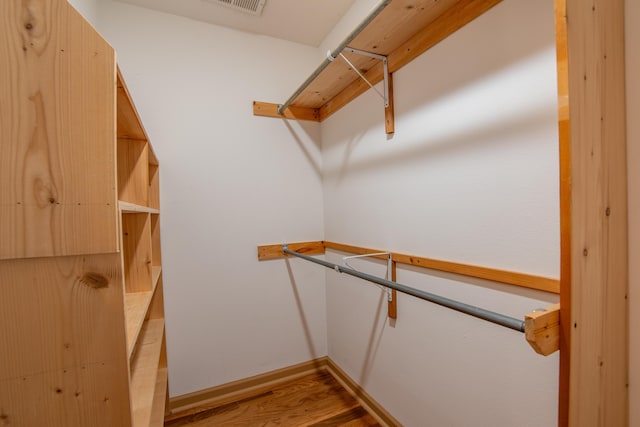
(129, 123)
(402, 31)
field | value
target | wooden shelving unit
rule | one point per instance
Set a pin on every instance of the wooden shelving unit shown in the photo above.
(82, 319)
(139, 205)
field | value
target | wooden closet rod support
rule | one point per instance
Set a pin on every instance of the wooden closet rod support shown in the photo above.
(541, 327)
(524, 280)
(480, 313)
(542, 330)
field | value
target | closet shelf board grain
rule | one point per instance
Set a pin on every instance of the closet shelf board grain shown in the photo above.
(48, 205)
(402, 31)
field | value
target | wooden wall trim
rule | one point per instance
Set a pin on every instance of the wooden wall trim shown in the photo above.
(502, 276)
(266, 252)
(235, 390)
(267, 109)
(530, 281)
(598, 384)
(369, 403)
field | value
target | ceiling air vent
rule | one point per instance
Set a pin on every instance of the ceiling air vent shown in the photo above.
(253, 7)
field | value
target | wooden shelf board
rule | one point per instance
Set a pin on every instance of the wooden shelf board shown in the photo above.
(159, 398)
(144, 371)
(135, 308)
(402, 31)
(136, 305)
(127, 207)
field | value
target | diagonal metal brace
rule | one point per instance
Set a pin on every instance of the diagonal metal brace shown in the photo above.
(385, 66)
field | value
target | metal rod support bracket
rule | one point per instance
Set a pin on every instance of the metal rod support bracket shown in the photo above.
(385, 66)
(389, 268)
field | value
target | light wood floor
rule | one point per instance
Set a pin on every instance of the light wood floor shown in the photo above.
(316, 400)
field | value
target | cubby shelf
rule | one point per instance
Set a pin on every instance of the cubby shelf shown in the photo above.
(126, 207)
(139, 206)
(136, 306)
(144, 371)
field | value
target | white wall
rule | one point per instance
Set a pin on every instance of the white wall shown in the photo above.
(88, 9)
(229, 182)
(633, 158)
(356, 13)
(471, 175)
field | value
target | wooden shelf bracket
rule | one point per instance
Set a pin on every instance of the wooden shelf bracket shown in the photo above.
(542, 330)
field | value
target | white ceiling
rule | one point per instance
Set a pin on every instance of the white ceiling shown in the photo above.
(301, 21)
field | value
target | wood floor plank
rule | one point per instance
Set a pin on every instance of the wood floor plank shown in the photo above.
(316, 400)
(352, 418)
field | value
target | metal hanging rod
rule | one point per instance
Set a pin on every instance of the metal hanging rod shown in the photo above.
(370, 17)
(481, 313)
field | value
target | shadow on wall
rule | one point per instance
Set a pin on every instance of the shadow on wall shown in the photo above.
(437, 86)
(378, 326)
(458, 139)
(303, 318)
(375, 338)
(492, 43)
(317, 168)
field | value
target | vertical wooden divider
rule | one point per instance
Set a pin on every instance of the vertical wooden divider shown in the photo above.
(598, 378)
(389, 113)
(564, 145)
(392, 306)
